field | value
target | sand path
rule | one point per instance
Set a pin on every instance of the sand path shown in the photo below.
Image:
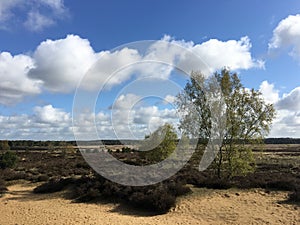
(20, 206)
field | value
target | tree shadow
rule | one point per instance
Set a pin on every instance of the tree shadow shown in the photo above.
(125, 209)
(120, 206)
(289, 202)
(28, 195)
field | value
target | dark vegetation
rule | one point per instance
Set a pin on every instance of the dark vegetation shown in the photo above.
(158, 198)
(8, 160)
(60, 170)
(46, 145)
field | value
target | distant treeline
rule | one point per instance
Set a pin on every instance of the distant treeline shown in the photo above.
(44, 145)
(282, 141)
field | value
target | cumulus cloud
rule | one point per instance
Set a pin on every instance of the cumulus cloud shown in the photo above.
(50, 123)
(287, 121)
(40, 13)
(58, 66)
(286, 124)
(290, 101)
(61, 64)
(207, 57)
(127, 101)
(216, 54)
(270, 94)
(161, 56)
(169, 99)
(287, 34)
(132, 119)
(49, 115)
(46, 123)
(233, 54)
(15, 84)
(141, 120)
(111, 68)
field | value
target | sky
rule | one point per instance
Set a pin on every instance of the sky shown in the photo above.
(110, 68)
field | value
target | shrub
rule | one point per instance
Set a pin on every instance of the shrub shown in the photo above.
(90, 195)
(126, 150)
(8, 160)
(9, 174)
(157, 199)
(178, 189)
(295, 195)
(43, 177)
(4, 145)
(215, 183)
(54, 185)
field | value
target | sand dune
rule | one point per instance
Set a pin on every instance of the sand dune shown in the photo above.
(20, 206)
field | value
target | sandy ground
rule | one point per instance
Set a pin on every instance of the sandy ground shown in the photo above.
(20, 206)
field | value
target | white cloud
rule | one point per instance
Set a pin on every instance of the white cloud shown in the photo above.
(128, 101)
(50, 123)
(15, 84)
(270, 94)
(40, 13)
(58, 66)
(169, 99)
(163, 54)
(287, 34)
(37, 21)
(109, 69)
(46, 123)
(233, 54)
(286, 124)
(212, 55)
(290, 101)
(287, 121)
(49, 115)
(62, 63)
(161, 57)
(131, 119)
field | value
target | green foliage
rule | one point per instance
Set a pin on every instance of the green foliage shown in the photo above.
(8, 160)
(4, 145)
(248, 118)
(164, 142)
(126, 150)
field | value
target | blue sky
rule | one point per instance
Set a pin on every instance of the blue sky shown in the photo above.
(48, 46)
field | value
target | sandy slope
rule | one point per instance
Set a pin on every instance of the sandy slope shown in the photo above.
(20, 206)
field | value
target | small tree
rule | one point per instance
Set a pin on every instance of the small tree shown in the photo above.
(4, 145)
(248, 119)
(164, 142)
(8, 160)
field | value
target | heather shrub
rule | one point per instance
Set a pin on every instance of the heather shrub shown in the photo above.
(54, 185)
(8, 160)
(295, 195)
